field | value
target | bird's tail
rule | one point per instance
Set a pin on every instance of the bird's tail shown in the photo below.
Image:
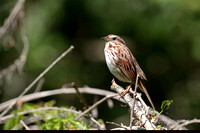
(146, 92)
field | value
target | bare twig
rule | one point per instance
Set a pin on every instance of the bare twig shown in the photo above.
(162, 119)
(138, 96)
(80, 96)
(139, 109)
(118, 125)
(167, 122)
(94, 111)
(25, 126)
(185, 123)
(18, 63)
(16, 10)
(37, 79)
(24, 53)
(128, 128)
(39, 85)
(101, 127)
(134, 97)
(118, 128)
(96, 104)
(110, 103)
(122, 127)
(62, 91)
(27, 121)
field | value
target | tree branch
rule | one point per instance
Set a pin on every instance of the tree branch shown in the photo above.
(37, 79)
(96, 104)
(15, 12)
(18, 63)
(25, 126)
(62, 91)
(141, 109)
(162, 119)
(186, 122)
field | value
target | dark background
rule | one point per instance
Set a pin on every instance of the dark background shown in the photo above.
(164, 36)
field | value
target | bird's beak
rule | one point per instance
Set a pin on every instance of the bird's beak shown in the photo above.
(105, 38)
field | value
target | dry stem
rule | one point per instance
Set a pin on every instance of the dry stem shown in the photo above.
(15, 12)
(25, 126)
(80, 96)
(96, 104)
(37, 79)
(186, 122)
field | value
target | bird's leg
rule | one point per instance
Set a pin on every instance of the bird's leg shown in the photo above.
(134, 97)
(126, 91)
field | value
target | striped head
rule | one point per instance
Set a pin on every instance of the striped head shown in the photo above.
(114, 39)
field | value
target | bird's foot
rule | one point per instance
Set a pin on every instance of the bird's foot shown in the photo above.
(124, 93)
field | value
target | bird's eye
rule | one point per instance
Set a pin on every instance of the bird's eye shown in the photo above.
(114, 38)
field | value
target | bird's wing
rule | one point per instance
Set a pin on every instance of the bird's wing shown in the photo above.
(124, 62)
(128, 64)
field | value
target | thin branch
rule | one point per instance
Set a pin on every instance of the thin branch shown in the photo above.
(8, 22)
(94, 111)
(39, 85)
(186, 122)
(167, 122)
(101, 127)
(96, 104)
(118, 128)
(118, 125)
(80, 96)
(27, 121)
(24, 53)
(62, 91)
(138, 96)
(122, 127)
(162, 119)
(128, 128)
(110, 103)
(25, 126)
(138, 109)
(18, 63)
(134, 98)
(37, 79)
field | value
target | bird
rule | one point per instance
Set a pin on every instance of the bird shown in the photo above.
(123, 65)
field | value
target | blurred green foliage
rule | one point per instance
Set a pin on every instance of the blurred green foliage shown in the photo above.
(45, 119)
(64, 124)
(12, 122)
(162, 34)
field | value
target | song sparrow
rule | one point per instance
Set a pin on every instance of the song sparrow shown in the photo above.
(122, 64)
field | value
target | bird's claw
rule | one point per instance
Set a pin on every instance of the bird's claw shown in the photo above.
(124, 93)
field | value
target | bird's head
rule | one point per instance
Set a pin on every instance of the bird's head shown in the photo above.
(114, 38)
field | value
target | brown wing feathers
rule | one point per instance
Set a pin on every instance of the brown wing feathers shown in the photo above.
(130, 70)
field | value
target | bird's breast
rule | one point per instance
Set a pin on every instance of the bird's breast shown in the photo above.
(111, 61)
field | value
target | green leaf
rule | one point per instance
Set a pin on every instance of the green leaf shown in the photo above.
(159, 127)
(165, 105)
(12, 122)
